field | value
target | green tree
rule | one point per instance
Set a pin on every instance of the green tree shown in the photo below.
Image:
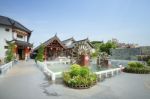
(96, 45)
(9, 53)
(105, 47)
(40, 54)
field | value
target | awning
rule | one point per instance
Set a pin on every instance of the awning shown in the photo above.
(20, 43)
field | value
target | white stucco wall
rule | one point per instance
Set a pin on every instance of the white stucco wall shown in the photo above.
(21, 39)
(4, 35)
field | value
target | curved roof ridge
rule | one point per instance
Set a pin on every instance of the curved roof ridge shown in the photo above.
(11, 22)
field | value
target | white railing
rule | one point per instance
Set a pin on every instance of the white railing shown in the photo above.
(43, 67)
(110, 71)
(4, 68)
(53, 75)
(58, 62)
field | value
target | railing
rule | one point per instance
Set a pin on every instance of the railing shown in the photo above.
(58, 62)
(53, 75)
(4, 68)
(109, 72)
(43, 67)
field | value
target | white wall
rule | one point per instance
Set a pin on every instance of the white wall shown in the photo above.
(21, 39)
(4, 35)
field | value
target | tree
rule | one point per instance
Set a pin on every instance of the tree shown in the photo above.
(40, 54)
(96, 45)
(9, 53)
(105, 47)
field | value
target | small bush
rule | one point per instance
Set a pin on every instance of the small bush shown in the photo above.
(132, 64)
(139, 65)
(136, 67)
(79, 76)
(75, 70)
(40, 54)
(148, 62)
(9, 53)
(84, 71)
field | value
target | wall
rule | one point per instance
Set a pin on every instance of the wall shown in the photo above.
(4, 35)
(20, 39)
(129, 53)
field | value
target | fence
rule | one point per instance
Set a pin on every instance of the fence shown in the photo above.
(109, 72)
(53, 75)
(43, 67)
(6, 67)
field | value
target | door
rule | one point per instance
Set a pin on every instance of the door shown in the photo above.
(21, 54)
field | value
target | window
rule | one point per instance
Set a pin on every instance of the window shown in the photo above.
(19, 36)
(7, 29)
(6, 47)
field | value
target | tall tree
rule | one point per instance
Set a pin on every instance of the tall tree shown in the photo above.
(40, 54)
(96, 45)
(10, 52)
(105, 47)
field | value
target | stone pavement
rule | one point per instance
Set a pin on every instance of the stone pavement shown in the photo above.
(26, 81)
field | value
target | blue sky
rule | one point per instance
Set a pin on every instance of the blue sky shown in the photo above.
(126, 20)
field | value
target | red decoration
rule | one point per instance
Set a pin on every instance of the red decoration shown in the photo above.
(84, 61)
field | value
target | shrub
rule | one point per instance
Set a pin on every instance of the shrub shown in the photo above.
(84, 71)
(143, 57)
(136, 67)
(75, 70)
(9, 53)
(139, 65)
(132, 64)
(40, 54)
(148, 62)
(79, 76)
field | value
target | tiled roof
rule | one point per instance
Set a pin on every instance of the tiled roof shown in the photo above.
(51, 40)
(10, 22)
(21, 43)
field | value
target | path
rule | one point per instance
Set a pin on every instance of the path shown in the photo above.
(25, 81)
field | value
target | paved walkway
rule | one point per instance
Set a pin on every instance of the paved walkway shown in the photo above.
(25, 81)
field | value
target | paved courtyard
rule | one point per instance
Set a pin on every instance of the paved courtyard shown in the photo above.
(26, 81)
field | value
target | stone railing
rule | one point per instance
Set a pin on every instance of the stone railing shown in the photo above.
(6, 67)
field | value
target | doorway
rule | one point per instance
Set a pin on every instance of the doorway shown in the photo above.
(21, 54)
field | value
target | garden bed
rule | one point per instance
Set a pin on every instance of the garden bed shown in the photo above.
(138, 68)
(81, 86)
(79, 77)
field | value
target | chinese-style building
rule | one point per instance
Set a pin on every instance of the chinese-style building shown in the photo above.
(55, 48)
(12, 31)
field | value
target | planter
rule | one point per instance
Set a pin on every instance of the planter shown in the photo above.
(81, 86)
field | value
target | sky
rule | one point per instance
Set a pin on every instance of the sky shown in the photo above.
(126, 20)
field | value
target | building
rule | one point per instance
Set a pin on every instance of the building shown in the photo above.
(14, 32)
(55, 48)
(123, 45)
